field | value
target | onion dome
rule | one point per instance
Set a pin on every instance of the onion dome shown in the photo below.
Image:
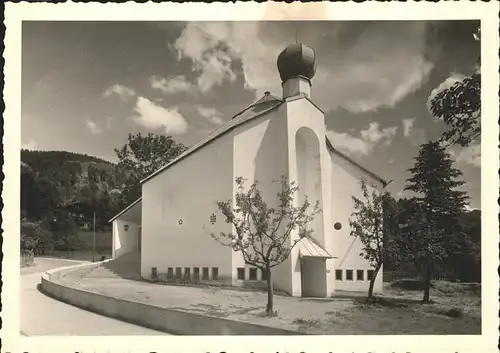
(297, 60)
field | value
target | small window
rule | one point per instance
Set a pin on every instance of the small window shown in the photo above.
(215, 273)
(338, 275)
(170, 273)
(187, 273)
(205, 275)
(360, 275)
(348, 275)
(253, 274)
(241, 273)
(264, 275)
(196, 273)
(369, 274)
(178, 272)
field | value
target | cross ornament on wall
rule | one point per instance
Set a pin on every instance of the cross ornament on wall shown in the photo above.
(213, 219)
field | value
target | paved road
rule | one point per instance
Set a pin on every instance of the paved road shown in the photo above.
(41, 315)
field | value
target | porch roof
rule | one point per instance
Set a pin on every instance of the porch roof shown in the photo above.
(131, 213)
(308, 248)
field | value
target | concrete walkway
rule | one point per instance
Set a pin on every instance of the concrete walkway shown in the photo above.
(41, 315)
(232, 304)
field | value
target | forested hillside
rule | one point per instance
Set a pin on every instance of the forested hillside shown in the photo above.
(53, 180)
(62, 191)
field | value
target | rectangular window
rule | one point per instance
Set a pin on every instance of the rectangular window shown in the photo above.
(178, 272)
(369, 274)
(196, 273)
(264, 275)
(170, 273)
(253, 274)
(338, 275)
(215, 273)
(348, 275)
(241, 273)
(187, 273)
(360, 275)
(205, 275)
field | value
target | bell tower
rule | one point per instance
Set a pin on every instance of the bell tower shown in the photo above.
(297, 66)
(308, 166)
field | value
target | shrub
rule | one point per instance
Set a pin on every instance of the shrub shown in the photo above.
(454, 312)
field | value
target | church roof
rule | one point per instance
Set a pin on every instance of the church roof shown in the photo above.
(126, 209)
(258, 108)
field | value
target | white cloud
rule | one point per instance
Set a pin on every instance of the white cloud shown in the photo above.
(172, 84)
(469, 208)
(31, 145)
(211, 114)
(361, 66)
(470, 155)
(415, 135)
(153, 116)
(125, 93)
(346, 142)
(374, 134)
(407, 126)
(93, 127)
(368, 140)
(216, 68)
(450, 81)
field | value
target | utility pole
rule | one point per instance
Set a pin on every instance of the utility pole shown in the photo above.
(93, 242)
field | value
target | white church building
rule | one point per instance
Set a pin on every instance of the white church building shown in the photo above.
(169, 227)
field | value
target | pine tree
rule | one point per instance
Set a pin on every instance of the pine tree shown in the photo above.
(438, 206)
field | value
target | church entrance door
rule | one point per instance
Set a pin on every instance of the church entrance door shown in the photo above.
(313, 275)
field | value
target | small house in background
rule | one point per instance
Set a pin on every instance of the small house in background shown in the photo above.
(169, 227)
(81, 213)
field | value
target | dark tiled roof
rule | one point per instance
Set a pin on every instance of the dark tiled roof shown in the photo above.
(340, 154)
(258, 108)
(126, 209)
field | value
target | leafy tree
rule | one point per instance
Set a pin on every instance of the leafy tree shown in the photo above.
(27, 181)
(464, 255)
(373, 223)
(261, 233)
(35, 236)
(143, 155)
(65, 229)
(436, 209)
(459, 106)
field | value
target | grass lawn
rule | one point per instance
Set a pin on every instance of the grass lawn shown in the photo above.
(455, 309)
(103, 244)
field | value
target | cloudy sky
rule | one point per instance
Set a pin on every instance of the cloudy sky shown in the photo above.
(86, 85)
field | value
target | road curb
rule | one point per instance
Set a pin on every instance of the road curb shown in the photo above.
(150, 316)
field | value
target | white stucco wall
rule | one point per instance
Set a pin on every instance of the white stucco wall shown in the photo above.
(188, 191)
(124, 241)
(344, 183)
(303, 114)
(260, 153)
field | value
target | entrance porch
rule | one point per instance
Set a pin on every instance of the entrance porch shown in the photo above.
(313, 268)
(127, 230)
